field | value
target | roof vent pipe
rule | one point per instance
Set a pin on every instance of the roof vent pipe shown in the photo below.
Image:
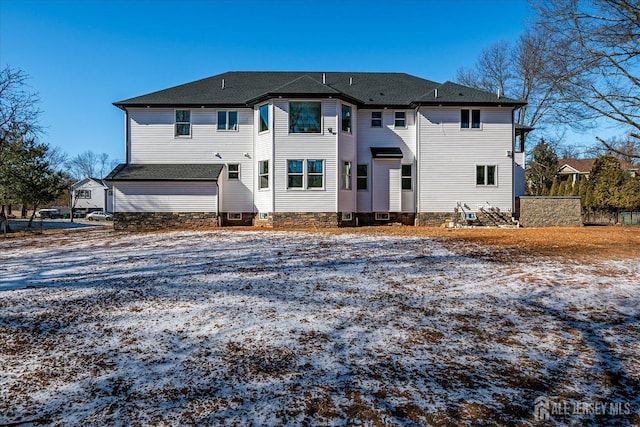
(435, 91)
(222, 83)
(350, 81)
(498, 93)
(324, 78)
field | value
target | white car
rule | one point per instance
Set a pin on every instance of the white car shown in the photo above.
(99, 216)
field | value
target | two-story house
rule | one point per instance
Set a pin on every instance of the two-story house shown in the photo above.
(313, 148)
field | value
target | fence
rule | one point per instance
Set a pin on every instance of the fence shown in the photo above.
(607, 218)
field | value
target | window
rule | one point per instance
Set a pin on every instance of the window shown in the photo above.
(376, 119)
(294, 174)
(346, 176)
(400, 119)
(347, 216)
(363, 177)
(233, 171)
(305, 117)
(264, 118)
(83, 194)
(310, 177)
(264, 215)
(227, 120)
(183, 123)
(407, 177)
(470, 117)
(315, 173)
(485, 175)
(346, 118)
(382, 216)
(234, 216)
(263, 174)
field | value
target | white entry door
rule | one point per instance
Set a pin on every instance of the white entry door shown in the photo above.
(386, 185)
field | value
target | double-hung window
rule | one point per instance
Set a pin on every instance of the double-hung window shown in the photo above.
(233, 171)
(227, 120)
(376, 119)
(83, 194)
(346, 118)
(305, 117)
(485, 175)
(407, 177)
(400, 119)
(263, 174)
(182, 123)
(305, 174)
(346, 176)
(470, 119)
(264, 118)
(362, 177)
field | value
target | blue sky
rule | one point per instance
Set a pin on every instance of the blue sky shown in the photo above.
(83, 55)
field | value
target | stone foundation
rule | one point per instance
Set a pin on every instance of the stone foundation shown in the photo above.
(435, 219)
(145, 221)
(550, 211)
(304, 219)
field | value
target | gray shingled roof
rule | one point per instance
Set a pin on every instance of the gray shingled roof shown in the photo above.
(246, 88)
(165, 172)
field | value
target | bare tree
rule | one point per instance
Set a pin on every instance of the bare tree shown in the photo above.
(90, 164)
(597, 52)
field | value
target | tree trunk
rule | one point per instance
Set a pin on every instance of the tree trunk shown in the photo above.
(4, 222)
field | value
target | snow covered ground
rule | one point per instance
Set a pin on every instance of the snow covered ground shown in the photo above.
(272, 328)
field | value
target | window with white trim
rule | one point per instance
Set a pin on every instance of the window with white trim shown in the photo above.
(486, 175)
(263, 174)
(346, 118)
(182, 123)
(83, 194)
(470, 119)
(305, 117)
(234, 216)
(227, 120)
(407, 177)
(382, 216)
(362, 181)
(376, 119)
(346, 176)
(295, 173)
(400, 119)
(264, 118)
(233, 171)
(307, 174)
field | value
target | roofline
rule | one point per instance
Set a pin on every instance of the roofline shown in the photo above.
(165, 179)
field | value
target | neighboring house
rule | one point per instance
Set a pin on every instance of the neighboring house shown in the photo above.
(577, 169)
(302, 148)
(91, 194)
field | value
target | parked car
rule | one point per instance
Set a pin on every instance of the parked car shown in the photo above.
(99, 216)
(48, 213)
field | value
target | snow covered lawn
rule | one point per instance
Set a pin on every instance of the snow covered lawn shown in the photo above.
(270, 328)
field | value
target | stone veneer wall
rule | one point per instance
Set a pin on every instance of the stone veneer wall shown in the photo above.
(303, 219)
(435, 218)
(550, 211)
(143, 221)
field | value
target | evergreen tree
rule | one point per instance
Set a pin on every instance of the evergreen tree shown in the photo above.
(542, 169)
(607, 179)
(554, 187)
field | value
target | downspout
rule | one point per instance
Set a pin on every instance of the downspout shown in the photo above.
(416, 198)
(126, 136)
(218, 222)
(513, 163)
(254, 165)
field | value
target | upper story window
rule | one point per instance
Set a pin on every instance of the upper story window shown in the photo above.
(227, 120)
(305, 117)
(400, 119)
(485, 175)
(407, 177)
(264, 118)
(83, 194)
(346, 118)
(376, 119)
(362, 177)
(183, 123)
(470, 119)
(233, 171)
(263, 174)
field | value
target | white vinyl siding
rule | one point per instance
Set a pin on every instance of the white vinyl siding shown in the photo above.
(165, 196)
(449, 155)
(263, 198)
(386, 186)
(97, 193)
(320, 146)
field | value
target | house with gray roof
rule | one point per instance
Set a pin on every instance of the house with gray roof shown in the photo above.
(315, 149)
